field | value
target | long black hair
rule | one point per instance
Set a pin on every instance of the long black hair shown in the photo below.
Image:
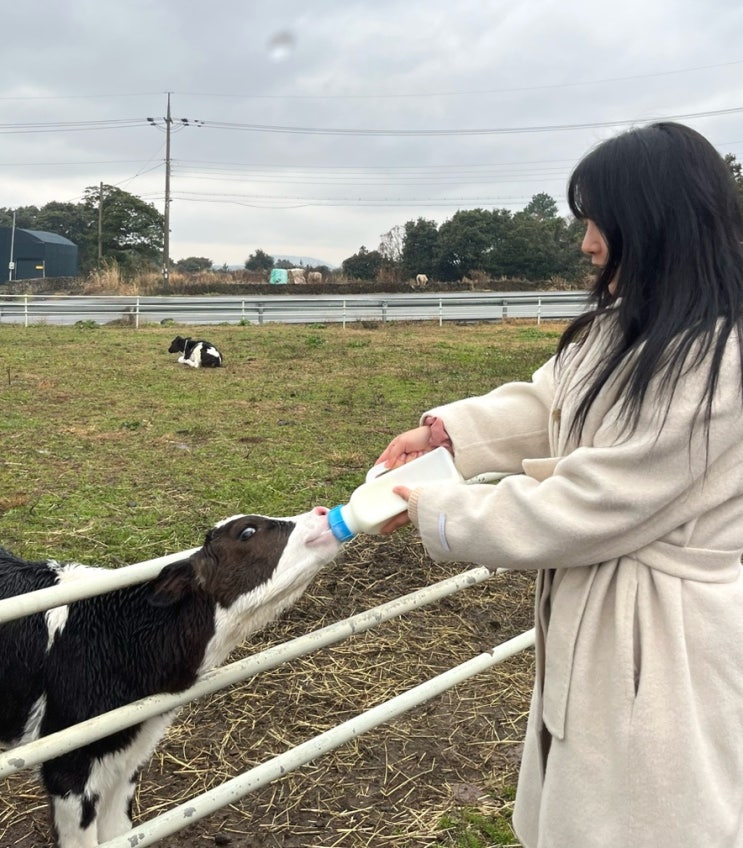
(666, 204)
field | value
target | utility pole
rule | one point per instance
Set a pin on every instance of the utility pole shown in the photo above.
(11, 263)
(100, 226)
(166, 234)
(168, 121)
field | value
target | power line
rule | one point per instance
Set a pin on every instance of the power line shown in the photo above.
(359, 131)
(283, 202)
(267, 128)
(70, 126)
(87, 163)
(375, 180)
(295, 166)
(455, 93)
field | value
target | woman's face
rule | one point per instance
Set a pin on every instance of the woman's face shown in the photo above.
(594, 245)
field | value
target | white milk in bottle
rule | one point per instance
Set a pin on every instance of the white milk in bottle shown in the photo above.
(374, 502)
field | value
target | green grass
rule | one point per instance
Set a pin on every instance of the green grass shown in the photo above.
(467, 827)
(472, 829)
(113, 453)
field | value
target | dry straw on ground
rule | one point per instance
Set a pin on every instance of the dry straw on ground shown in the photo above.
(388, 788)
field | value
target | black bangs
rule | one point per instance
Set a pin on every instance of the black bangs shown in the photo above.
(576, 197)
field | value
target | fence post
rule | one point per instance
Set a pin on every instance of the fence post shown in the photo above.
(384, 311)
(441, 312)
(25, 310)
(136, 313)
(504, 312)
(539, 312)
(344, 313)
(260, 313)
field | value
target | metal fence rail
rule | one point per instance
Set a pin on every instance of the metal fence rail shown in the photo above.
(152, 831)
(238, 787)
(33, 753)
(30, 309)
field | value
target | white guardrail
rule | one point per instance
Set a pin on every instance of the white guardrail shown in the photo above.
(179, 817)
(30, 309)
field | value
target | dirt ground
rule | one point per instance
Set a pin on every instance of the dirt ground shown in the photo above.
(390, 787)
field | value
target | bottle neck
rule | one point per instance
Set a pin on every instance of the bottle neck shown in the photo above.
(338, 518)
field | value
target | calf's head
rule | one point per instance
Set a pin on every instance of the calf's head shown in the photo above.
(252, 566)
(177, 345)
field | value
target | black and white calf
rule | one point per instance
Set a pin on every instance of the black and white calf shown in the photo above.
(77, 661)
(196, 352)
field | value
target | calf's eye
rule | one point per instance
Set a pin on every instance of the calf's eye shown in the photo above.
(247, 533)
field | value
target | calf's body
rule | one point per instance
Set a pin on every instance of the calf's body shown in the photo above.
(85, 658)
(196, 352)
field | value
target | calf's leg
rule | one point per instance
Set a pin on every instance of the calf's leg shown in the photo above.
(115, 815)
(113, 778)
(74, 818)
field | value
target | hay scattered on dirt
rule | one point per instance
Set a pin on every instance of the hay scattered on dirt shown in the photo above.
(389, 787)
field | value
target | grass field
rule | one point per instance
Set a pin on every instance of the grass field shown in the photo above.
(112, 453)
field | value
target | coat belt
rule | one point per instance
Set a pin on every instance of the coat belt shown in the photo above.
(558, 625)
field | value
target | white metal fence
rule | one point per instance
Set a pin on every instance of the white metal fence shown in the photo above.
(30, 309)
(151, 831)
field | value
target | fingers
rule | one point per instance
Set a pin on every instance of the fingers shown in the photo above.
(409, 445)
(403, 458)
(402, 518)
(395, 523)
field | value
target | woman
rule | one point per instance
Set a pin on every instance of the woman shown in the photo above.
(629, 505)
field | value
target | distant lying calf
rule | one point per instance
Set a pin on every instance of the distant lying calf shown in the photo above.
(88, 657)
(196, 352)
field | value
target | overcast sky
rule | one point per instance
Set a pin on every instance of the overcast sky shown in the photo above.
(316, 127)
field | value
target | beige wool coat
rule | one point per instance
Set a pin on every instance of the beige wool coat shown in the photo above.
(635, 734)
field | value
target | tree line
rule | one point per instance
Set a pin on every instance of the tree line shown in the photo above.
(108, 225)
(535, 243)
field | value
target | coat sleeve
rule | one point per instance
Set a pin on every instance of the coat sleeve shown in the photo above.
(602, 500)
(496, 431)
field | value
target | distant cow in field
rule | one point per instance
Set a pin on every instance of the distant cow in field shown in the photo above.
(296, 275)
(196, 352)
(421, 281)
(90, 656)
(314, 277)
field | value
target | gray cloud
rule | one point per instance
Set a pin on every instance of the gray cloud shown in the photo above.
(436, 68)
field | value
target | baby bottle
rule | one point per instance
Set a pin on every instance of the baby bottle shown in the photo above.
(374, 502)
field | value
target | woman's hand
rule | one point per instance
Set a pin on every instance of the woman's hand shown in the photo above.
(402, 518)
(406, 446)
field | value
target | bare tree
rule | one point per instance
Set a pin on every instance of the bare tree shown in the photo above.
(391, 244)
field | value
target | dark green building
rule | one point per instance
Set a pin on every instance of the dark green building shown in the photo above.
(35, 254)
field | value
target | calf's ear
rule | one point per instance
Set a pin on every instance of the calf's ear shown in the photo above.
(173, 583)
